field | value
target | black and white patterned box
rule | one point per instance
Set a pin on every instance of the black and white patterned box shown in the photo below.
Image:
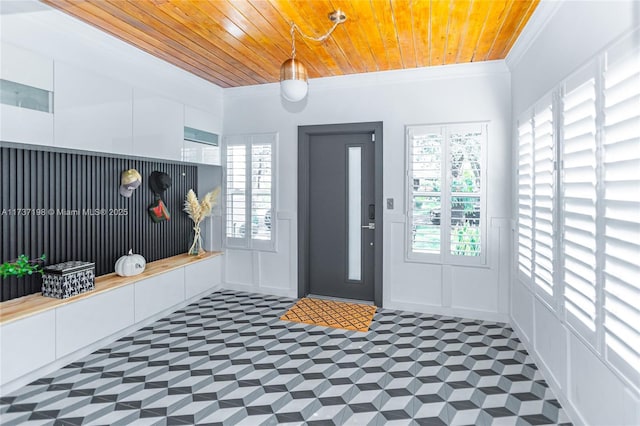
(68, 279)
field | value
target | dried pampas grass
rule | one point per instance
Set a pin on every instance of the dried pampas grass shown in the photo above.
(198, 210)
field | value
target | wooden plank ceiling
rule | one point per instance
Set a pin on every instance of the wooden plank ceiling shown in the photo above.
(243, 42)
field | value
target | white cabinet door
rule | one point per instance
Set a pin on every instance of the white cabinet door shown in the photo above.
(158, 126)
(202, 153)
(201, 120)
(202, 276)
(26, 67)
(26, 345)
(196, 152)
(23, 125)
(20, 122)
(86, 321)
(156, 294)
(92, 112)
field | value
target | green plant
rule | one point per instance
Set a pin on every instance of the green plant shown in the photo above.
(22, 266)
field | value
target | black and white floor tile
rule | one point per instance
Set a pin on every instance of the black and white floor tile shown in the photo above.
(228, 360)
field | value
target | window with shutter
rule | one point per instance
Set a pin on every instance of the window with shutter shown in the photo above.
(543, 170)
(579, 204)
(465, 180)
(250, 191)
(595, 118)
(525, 199)
(425, 181)
(621, 178)
(445, 225)
(261, 190)
(236, 191)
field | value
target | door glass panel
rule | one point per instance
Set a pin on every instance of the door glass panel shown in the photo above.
(355, 212)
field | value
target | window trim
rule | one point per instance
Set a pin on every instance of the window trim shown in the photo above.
(248, 243)
(445, 256)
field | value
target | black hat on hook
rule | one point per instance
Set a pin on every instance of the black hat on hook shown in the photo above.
(159, 182)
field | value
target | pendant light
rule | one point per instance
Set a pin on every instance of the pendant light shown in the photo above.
(293, 74)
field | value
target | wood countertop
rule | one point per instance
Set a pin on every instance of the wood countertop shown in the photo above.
(32, 304)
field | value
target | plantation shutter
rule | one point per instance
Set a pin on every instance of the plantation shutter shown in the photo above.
(579, 201)
(465, 178)
(425, 186)
(261, 188)
(621, 175)
(543, 170)
(525, 199)
(236, 155)
(250, 191)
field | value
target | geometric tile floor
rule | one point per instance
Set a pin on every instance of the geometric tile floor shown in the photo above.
(227, 359)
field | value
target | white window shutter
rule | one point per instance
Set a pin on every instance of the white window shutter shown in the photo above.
(579, 195)
(425, 157)
(621, 175)
(525, 199)
(250, 191)
(543, 170)
(236, 193)
(465, 178)
(262, 203)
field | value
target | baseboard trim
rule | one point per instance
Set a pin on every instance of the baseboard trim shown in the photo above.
(271, 291)
(451, 312)
(80, 353)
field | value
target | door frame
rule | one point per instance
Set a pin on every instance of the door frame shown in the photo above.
(304, 138)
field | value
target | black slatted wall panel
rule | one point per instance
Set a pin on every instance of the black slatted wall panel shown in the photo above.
(53, 181)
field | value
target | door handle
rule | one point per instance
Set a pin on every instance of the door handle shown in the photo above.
(371, 225)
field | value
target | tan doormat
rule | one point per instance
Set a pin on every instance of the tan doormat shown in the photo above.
(329, 313)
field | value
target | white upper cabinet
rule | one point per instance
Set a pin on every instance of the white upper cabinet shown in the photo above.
(92, 112)
(201, 137)
(26, 93)
(158, 126)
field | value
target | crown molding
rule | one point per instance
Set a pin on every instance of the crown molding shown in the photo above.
(545, 10)
(380, 78)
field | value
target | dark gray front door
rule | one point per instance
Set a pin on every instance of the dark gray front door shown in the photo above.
(342, 215)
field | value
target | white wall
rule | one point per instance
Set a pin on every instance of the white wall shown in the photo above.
(471, 92)
(42, 29)
(570, 33)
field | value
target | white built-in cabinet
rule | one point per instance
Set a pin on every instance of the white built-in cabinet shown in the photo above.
(198, 277)
(20, 354)
(92, 112)
(200, 151)
(159, 293)
(158, 126)
(84, 324)
(27, 88)
(96, 113)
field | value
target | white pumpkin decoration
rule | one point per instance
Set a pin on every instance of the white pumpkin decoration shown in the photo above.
(130, 265)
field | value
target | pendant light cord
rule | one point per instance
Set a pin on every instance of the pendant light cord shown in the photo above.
(320, 39)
